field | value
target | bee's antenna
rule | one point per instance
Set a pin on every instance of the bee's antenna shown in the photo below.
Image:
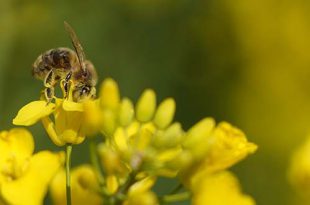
(77, 45)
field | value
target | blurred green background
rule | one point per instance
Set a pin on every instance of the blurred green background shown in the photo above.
(246, 62)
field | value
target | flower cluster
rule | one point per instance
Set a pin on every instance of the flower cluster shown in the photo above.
(139, 143)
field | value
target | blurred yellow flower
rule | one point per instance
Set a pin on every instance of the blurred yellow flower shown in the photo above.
(299, 170)
(221, 188)
(24, 177)
(84, 187)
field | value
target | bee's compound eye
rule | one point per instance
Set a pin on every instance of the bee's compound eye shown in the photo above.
(85, 90)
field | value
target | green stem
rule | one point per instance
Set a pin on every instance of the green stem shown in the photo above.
(95, 162)
(175, 197)
(177, 189)
(68, 177)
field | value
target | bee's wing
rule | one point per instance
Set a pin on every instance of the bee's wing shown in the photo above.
(76, 44)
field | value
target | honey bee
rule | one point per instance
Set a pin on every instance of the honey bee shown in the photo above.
(66, 66)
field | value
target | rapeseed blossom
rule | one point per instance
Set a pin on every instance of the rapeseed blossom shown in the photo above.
(25, 176)
(68, 119)
(132, 145)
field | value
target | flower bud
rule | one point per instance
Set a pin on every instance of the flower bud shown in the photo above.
(108, 122)
(146, 106)
(110, 160)
(112, 184)
(198, 137)
(170, 137)
(92, 117)
(165, 113)
(126, 112)
(182, 161)
(109, 94)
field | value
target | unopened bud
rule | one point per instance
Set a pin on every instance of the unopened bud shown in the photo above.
(170, 137)
(146, 106)
(126, 112)
(92, 117)
(165, 113)
(109, 94)
(108, 122)
(198, 138)
(199, 132)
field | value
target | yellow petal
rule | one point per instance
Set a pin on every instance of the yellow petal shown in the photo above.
(220, 189)
(229, 146)
(69, 105)
(142, 185)
(146, 106)
(16, 147)
(51, 132)
(21, 142)
(68, 125)
(32, 112)
(31, 188)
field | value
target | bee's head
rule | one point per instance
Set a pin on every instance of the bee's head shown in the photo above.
(83, 92)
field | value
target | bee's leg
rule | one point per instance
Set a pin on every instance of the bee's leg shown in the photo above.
(68, 77)
(49, 94)
(66, 84)
(49, 82)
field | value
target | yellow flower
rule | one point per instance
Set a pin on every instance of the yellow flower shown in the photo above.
(67, 124)
(84, 187)
(140, 194)
(24, 177)
(219, 189)
(214, 148)
(229, 146)
(299, 171)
